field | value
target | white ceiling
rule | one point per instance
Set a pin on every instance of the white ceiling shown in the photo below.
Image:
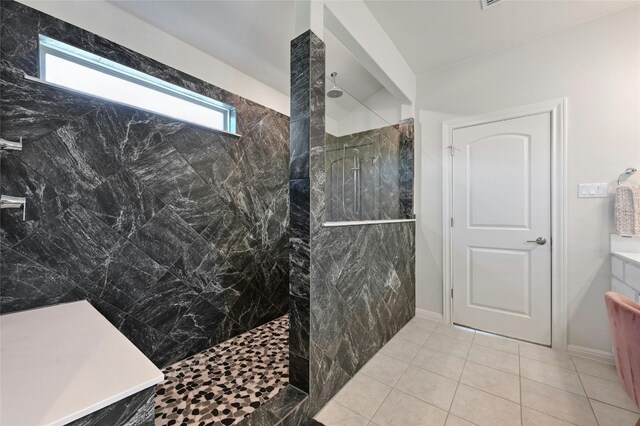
(436, 34)
(352, 76)
(254, 36)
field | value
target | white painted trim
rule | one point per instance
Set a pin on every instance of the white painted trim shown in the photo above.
(365, 222)
(558, 110)
(430, 315)
(594, 354)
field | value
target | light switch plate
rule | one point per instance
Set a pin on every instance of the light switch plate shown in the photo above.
(593, 190)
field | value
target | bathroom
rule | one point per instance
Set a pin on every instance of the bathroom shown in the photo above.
(219, 212)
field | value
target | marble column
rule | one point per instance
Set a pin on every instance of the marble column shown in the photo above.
(307, 131)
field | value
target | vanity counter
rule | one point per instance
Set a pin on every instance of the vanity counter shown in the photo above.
(633, 258)
(62, 362)
(625, 266)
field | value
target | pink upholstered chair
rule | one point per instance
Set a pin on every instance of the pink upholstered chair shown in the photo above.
(624, 320)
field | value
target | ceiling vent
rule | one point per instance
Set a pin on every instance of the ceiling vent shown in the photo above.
(488, 3)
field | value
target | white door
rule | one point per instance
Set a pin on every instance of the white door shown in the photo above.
(501, 206)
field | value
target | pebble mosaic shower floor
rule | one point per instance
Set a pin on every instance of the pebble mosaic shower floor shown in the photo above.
(225, 383)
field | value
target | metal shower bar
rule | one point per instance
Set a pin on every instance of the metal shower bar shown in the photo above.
(6, 145)
(10, 202)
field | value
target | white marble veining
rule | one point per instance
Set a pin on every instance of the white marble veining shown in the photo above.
(63, 362)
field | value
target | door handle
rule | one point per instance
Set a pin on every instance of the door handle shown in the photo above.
(540, 241)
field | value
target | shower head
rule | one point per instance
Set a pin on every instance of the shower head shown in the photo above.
(335, 92)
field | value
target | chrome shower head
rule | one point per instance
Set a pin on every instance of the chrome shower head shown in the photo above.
(335, 92)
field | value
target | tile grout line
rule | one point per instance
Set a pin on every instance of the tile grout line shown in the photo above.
(520, 385)
(382, 403)
(458, 381)
(614, 406)
(430, 332)
(435, 330)
(558, 388)
(584, 396)
(408, 363)
(460, 378)
(475, 362)
(548, 363)
(594, 376)
(466, 384)
(493, 367)
(551, 415)
(451, 338)
(593, 412)
(388, 356)
(343, 406)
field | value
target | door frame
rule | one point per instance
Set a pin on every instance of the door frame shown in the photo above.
(559, 302)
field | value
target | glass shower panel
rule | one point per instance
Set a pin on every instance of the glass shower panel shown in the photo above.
(368, 162)
(353, 178)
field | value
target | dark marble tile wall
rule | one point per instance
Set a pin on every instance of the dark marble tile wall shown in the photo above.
(385, 186)
(288, 407)
(362, 292)
(307, 132)
(352, 287)
(176, 233)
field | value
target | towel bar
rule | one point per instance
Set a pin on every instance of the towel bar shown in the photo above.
(10, 202)
(628, 172)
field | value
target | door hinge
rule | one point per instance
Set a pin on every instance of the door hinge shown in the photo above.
(451, 222)
(452, 293)
(452, 150)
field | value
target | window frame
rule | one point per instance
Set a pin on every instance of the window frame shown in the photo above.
(50, 46)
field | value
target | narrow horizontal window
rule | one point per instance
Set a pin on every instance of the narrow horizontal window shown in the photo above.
(76, 69)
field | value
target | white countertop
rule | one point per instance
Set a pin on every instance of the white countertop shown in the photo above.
(62, 362)
(628, 256)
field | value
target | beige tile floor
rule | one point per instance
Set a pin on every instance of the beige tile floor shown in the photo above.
(435, 374)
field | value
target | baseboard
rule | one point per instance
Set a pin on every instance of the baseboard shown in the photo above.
(594, 354)
(433, 316)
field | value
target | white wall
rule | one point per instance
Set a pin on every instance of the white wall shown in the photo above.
(379, 110)
(353, 24)
(108, 21)
(595, 65)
